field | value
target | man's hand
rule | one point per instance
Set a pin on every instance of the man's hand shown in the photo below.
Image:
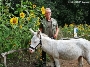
(55, 36)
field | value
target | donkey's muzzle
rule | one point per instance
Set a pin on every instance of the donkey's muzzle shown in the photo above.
(31, 50)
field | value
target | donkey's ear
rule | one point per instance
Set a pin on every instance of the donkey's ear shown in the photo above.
(38, 32)
(31, 31)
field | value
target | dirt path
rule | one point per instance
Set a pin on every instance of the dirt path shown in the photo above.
(74, 63)
(23, 60)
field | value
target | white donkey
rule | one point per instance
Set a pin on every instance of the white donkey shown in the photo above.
(62, 49)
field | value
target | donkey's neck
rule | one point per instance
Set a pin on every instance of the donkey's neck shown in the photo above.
(46, 40)
(47, 44)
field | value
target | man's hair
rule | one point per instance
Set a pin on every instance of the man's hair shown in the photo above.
(48, 9)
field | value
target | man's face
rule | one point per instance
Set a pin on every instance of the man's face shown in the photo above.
(48, 14)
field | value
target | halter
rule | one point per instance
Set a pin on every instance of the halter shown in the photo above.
(37, 45)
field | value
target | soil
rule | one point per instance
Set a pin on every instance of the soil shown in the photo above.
(73, 63)
(24, 59)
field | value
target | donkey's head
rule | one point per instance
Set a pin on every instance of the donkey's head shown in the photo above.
(35, 41)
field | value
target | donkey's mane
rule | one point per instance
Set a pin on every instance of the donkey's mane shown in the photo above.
(44, 35)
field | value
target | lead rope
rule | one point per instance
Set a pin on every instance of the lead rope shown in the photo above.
(40, 42)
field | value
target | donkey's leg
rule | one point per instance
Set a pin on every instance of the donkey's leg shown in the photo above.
(57, 63)
(87, 58)
(80, 61)
(52, 61)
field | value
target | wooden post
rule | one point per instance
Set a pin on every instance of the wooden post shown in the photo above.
(5, 61)
(9, 52)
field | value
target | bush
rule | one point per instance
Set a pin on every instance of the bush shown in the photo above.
(83, 30)
(14, 29)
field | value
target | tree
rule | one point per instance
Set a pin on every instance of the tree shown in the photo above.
(65, 11)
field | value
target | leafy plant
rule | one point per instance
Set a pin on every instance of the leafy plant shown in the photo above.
(14, 29)
(83, 31)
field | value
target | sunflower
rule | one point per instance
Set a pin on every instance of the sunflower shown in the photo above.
(28, 18)
(20, 26)
(43, 10)
(14, 20)
(34, 6)
(32, 14)
(66, 25)
(71, 25)
(37, 24)
(38, 21)
(22, 15)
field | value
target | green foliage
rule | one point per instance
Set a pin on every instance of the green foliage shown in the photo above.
(66, 12)
(62, 10)
(1, 65)
(83, 31)
(14, 30)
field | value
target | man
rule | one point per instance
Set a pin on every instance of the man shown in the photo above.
(48, 26)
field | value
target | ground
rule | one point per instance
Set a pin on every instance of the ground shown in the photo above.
(24, 59)
(73, 63)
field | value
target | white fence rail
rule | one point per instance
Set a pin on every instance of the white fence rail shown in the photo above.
(4, 55)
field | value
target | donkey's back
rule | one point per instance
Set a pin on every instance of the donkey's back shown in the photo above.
(73, 48)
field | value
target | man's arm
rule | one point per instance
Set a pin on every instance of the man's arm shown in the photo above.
(56, 34)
